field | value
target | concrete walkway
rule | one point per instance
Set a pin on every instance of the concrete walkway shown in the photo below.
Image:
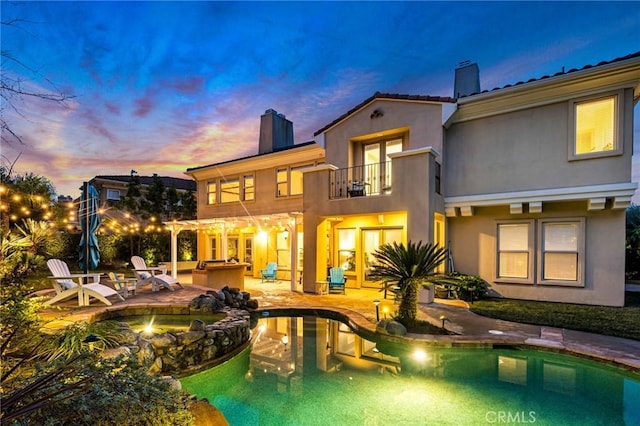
(357, 305)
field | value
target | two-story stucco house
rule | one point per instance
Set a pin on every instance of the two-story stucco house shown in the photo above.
(526, 184)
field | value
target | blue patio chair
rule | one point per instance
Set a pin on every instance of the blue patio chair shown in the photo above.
(336, 280)
(269, 273)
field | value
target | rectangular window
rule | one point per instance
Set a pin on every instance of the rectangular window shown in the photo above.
(230, 190)
(561, 251)
(515, 254)
(214, 248)
(282, 183)
(347, 249)
(113, 194)
(232, 248)
(212, 193)
(595, 127)
(296, 180)
(249, 188)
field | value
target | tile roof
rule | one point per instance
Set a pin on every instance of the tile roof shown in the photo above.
(168, 181)
(391, 96)
(563, 72)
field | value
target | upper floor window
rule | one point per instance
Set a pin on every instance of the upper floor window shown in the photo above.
(595, 130)
(249, 188)
(296, 180)
(377, 164)
(113, 194)
(282, 182)
(230, 190)
(212, 193)
(289, 181)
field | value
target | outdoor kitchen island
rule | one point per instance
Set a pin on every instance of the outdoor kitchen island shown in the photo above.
(217, 274)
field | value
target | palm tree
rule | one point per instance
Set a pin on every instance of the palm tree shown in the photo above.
(409, 268)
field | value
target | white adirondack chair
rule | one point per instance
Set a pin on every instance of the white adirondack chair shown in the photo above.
(66, 287)
(156, 276)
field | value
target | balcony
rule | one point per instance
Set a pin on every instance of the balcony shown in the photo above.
(359, 181)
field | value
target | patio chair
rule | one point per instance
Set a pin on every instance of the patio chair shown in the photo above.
(66, 287)
(123, 285)
(155, 275)
(269, 273)
(336, 280)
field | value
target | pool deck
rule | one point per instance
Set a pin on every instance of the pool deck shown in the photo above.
(357, 305)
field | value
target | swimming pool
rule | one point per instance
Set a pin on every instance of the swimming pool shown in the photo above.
(314, 371)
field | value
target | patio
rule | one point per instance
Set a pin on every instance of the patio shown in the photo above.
(358, 306)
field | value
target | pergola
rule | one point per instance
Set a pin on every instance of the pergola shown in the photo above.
(286, 221)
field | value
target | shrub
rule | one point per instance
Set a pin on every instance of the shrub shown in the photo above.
(632, 243)
(71, 341)
(469, 287)
(105, 392)
(109, 248)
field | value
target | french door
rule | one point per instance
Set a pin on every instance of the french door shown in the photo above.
(372, 239)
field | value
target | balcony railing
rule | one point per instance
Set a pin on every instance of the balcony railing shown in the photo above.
(358, 181)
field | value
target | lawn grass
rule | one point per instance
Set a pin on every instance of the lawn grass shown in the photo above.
(620, 322)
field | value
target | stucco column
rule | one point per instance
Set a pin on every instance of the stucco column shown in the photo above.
(292, 227)
(316, 193)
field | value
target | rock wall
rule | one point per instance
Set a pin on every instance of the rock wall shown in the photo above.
(201, 345)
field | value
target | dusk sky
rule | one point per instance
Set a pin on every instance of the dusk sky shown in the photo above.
(163, 86)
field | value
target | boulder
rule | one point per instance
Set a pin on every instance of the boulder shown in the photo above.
(163, 340)
(391, 327)
(206, 414)
(396, 329)
(197, 325)
(116, 352)
(189, 337)
(147, 353)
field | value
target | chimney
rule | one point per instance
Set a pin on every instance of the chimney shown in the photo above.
(275, 132)
(467, 81)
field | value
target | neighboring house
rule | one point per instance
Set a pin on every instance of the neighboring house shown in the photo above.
(526, 184)
(112, 188)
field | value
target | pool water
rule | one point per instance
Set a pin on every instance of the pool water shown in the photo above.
(163, 323)
(313, 371)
